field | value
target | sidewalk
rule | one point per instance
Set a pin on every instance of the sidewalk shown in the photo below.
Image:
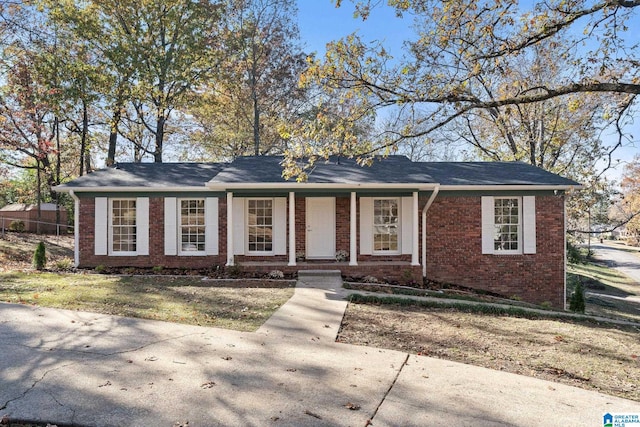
(96, 370)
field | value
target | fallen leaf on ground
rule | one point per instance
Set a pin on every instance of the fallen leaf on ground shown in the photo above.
(352, 406)
(307, 412)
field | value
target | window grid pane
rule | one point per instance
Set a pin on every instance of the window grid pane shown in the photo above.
(385, 225)
(192, 227)
(507, 224)
(123, 225)
(260, 221)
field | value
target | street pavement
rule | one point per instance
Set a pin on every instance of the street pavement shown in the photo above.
(86, 369)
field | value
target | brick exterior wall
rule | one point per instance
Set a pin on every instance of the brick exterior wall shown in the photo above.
(454, 249)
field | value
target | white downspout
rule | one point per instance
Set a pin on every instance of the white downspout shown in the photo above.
(230, 249)
(353, 232)
(76, 228)
(292, 229)
(436, 190)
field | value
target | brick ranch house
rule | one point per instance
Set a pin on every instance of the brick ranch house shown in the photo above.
(495, 226)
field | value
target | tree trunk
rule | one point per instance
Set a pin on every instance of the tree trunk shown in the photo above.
(38, 196)
(113, 135)
(56, 195)
(83, 138)
(157, 155)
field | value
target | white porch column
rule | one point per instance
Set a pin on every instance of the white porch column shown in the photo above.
(292, 228)
(416, 217)
(353, 234)
(230, 260)
(76, 229)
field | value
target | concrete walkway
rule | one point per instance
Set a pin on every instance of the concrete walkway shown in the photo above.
(88, 369)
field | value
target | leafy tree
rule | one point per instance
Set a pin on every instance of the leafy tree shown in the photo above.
(256, 85)
(154, 52)
(26, 135)
(627, 209)
(447, 72)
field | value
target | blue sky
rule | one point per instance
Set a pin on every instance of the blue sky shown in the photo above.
(321, 22)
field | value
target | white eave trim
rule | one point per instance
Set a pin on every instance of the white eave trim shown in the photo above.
(127, 189)
(304, 186)
(509, 187)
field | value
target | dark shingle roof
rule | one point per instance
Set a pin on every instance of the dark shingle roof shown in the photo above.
(268, 169)
(492, 173)
(148, 175)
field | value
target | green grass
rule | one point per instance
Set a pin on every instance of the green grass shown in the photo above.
(174, 299)
(600, 279)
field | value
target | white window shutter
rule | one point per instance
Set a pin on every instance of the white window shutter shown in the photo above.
(366, 225)
(529, 224)
(239, 226)
(211, 226)
(170, 226)
(488, 224)
(280, 226)
(406, 225)
(101, 226)
(142, 225)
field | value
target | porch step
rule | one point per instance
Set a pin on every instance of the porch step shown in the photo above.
(317, 273)
(320, 279)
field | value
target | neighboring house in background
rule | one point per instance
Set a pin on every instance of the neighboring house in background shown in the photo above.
(491, 226)
(23, 217)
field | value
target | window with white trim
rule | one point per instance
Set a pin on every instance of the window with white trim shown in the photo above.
(260, 226)
(122, 226)
(507, 225)
(385, 225)
(192, 226)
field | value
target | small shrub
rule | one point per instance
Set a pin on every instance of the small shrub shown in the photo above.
(276, 275)
(577, 303)
(546, 305)
(100, 268)
(234, 271)
(64, 264)
(129, 270)
(17, 226)
(575, 255)
(157, 269)
(40, 257)
(370, 279)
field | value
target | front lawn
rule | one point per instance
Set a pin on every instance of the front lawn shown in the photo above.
(590, 355)
(174, 299)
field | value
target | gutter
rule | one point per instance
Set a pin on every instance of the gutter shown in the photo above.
(296, 186)
(76, 228)
(63, 189)
(519, 187)
(436, 190)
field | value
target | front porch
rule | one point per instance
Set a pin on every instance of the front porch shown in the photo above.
(402, 272)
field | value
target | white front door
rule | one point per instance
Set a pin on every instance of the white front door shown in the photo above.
(321, 227)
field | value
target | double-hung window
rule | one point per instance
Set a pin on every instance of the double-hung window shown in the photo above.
(260, 226)
(123, 226)
(507, 225)
(192, 226)
(385, 225)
